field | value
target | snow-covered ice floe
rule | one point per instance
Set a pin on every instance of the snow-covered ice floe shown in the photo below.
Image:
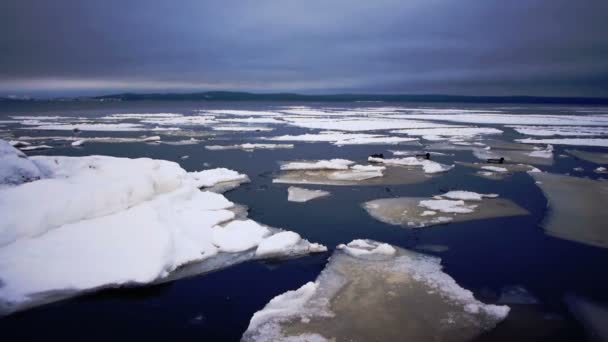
(576, 208)
(593, 157)
(428, 166)
(248, 147)
(117, 127)
(441, 133)
(235, 128)
(296, 194)
(372, 291)
(515, 119)
(498, 171)
(453, 206)
(86, 223)
(516, 153)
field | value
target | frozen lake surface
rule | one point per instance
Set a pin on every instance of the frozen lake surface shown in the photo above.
(546, 264)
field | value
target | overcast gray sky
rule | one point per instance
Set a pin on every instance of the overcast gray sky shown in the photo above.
(469, 47)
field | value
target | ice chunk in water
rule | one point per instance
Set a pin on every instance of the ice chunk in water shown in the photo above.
(296, 194)
(421, 212)
(371, 291)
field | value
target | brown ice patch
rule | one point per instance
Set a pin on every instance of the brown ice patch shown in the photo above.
(391, 176)
(576, 208)
(407, 212)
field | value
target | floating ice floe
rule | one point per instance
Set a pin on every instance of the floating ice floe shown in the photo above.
(516, 119)
(428, 166)
(248, 147)
(516, 153)
(516, 295)
(19, 143)
(239, 112)
(191, 120)
(35, 147)
(441, 133)
(600, 169)
(341, 139)
(129, 116)
(576, 208)
(242, 128)
(96, 222)
(117, 127)
(296, 194)
(591, 315)
(547, 131)
(454, 206)
(369, 291)
(594, 157)
(496, 172)
(358, 124)
(332, 164)
(568, 141)
(252, 120)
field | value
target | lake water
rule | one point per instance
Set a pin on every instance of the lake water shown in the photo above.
(484, 256)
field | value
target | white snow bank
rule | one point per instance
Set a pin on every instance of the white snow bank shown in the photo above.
(367, 248)
(466, 195)
(297, 194)
(332, 164)
(448, 206)
(428, 166)
(567, 141)
(102, 221)
(15, 168)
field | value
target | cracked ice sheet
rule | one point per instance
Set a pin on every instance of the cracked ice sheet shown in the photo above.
(359, 124)
(118, 127)
(568, 141)
(341, 139)
(449, 132)
(416, 212)
(576, 208)
(96, 222)
(513, 119)
(366, 293)
(546, 131)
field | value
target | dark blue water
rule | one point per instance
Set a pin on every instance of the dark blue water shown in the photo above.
(484, 256)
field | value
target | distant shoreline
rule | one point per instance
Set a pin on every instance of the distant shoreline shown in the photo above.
(284, 97)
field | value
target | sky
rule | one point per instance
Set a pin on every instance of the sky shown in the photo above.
(458, 47)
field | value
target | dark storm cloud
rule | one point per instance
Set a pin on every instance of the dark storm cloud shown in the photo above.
(539, 47)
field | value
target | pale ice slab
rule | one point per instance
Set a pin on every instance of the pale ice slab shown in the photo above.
(117, 127)
(576, 208)
(594, 157)
(466, 195)
(568, 141)
(243, 128)
(332, 164)
(340, 138)
(592, 316)
(369, 291)
(297, 194)
(248, 147)
(254, 120)
(455, 131)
